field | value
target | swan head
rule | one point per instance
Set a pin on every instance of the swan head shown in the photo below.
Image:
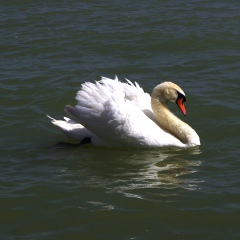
(168, 91)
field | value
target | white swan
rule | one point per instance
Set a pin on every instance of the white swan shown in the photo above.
(113, 113)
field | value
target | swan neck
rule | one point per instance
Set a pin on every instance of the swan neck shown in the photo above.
(168, 121)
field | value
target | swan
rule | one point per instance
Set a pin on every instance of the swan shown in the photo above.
(114, 113)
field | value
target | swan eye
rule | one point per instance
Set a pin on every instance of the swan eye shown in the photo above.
(181, 96)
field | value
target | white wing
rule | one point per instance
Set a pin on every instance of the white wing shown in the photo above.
(119, 114)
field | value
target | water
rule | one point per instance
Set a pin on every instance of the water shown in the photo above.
(48, 50)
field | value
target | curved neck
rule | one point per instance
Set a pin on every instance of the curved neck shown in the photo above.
(169, 122)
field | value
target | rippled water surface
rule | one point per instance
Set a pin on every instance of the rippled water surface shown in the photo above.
(48, 50)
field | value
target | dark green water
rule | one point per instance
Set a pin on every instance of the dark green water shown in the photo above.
(48, 49)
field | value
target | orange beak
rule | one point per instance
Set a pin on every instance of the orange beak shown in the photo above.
(180, 104)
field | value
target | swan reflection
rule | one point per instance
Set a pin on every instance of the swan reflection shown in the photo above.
(143, 173)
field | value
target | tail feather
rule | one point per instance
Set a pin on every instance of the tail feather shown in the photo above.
(71, 112)
(72, 129)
